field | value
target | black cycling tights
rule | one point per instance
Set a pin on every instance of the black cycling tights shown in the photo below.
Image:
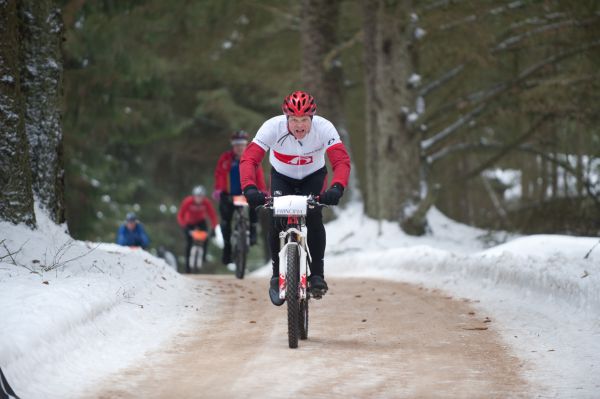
(311, 184)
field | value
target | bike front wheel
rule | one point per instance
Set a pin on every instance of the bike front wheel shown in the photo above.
(292, 282)
(195, 260)
(303, 319)
(241, 250)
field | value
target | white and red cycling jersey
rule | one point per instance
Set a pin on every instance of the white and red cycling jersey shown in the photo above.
(294, 158)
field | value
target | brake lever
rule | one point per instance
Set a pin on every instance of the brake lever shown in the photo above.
(267, 205)
(313, 202)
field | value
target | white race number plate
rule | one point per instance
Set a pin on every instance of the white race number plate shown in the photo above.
(289, 205)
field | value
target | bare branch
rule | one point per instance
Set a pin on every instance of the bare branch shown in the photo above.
(590, 251)
(10, 255)
(512, 40)
(562, 81)
(292, 17)
(556, 58)
(447, 131)
(337, 50)
(508, 148)
(429, 87)
(440, 4)
(589, 187)
(493, 11)
(57, 262)
(481, 99)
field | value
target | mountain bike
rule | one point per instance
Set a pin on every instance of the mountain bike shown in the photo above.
(196, 258)
(240, 236)
(294, 260)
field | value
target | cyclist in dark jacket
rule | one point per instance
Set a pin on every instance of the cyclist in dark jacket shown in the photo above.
(132, 233)
(227, 184)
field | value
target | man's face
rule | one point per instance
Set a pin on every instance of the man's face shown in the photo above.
(198, 198)
(299, 126)
(131, 225)
(238, 149)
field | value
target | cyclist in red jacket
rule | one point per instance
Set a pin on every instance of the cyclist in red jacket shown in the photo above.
(298, 141)
(228, 184)
(193, 213)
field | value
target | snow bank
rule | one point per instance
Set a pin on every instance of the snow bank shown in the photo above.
(100, 309)
(540, 290)
(551, 266)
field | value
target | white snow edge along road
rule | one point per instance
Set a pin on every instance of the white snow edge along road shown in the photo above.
(539, 291)
(65, 329)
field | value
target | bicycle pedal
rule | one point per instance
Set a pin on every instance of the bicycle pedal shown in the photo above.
(317, 294)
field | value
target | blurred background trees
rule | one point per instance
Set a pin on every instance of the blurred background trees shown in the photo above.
(486, 109)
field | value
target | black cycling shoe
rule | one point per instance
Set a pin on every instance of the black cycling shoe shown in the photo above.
(317, 286)
(226, 257)
(274, 292)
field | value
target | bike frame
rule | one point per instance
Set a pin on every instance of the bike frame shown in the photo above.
(294, 235)
(196, 252)
(240, 215)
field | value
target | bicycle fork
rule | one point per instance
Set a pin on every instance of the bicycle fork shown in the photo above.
(301, 246)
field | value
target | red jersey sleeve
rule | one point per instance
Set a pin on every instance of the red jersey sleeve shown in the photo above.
(250, 162)
(340, 162)
(260, 180)
(221, 171)
(183, 208)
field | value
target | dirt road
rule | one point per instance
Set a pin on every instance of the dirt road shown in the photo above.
(367, 338)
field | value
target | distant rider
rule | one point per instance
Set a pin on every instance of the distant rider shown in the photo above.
(228, 184)
(298, 141)
(132, 233)
(193, 213)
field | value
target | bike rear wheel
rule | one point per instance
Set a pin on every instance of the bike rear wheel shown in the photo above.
(241, 248)
(292, 281)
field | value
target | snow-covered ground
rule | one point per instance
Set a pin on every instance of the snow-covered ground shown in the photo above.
(540, 292)
(101, 308)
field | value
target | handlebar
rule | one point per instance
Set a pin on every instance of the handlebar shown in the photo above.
(311, 201)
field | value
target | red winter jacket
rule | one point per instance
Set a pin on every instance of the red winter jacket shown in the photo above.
(191, 213)
(253, 155)
(222, 174)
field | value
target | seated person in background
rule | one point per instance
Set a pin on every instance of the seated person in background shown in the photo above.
(193, 213)
(132, 233)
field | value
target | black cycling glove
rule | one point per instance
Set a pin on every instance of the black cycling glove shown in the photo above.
(225, 197)
(332, 195)
(254, 197)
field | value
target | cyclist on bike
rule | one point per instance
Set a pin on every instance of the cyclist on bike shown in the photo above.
(227, 184)
(298, 141)
(193, 213)
(132, 233)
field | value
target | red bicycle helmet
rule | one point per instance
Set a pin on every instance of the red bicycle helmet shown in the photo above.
(299, 103)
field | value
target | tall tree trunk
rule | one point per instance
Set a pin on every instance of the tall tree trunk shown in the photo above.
(318, 38)
(393, 154)
(16, 200)
(369, 52)
(41, 32)
(325, 81)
